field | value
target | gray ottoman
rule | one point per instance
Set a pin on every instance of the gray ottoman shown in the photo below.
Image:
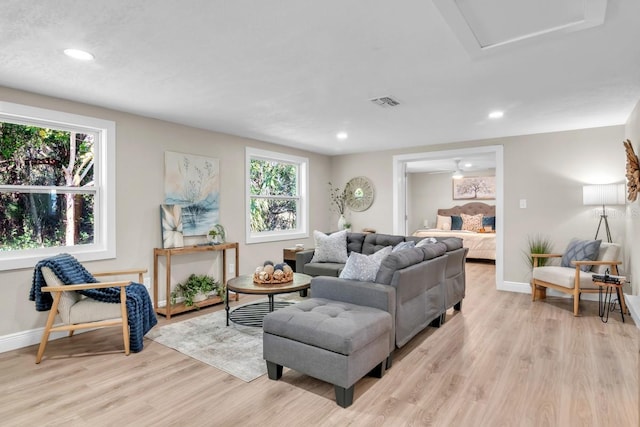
(333, 341)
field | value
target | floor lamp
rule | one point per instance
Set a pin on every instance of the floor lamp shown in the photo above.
(603, 194)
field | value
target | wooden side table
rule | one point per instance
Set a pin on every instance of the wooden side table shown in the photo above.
(289, 256)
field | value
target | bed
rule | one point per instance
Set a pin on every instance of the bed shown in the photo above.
(480, 238)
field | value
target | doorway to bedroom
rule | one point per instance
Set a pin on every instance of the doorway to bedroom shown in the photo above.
(424, 183)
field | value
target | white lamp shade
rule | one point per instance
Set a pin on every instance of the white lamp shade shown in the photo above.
(603, 194)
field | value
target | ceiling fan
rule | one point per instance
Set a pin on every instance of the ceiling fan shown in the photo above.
(456, 172)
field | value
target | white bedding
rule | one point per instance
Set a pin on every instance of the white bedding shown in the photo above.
(481, 245)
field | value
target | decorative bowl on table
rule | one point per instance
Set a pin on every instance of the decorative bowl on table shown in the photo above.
(270, 273)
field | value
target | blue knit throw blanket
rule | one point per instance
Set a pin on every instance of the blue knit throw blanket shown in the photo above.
(139, 307)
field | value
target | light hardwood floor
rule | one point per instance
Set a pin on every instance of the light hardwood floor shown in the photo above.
(502, 361)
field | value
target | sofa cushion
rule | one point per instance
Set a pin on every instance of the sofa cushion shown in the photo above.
(580, 250)
(331, 269)
(433, 250)
(375, 242)
(364, 267)
(564, 277)
(354, 242)
(452, 243)
(330, 248)
(397, 261)
(426, 241)
(404, 245)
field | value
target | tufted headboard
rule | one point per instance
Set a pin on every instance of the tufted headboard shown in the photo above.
(472, 208)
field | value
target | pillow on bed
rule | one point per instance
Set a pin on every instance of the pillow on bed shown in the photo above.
(489, 221)
(443, 223)
(471, 222)
(456, 222)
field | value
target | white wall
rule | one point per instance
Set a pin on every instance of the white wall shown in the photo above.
(632, 212)
(428, 192)
(141, 143)
(548, 170)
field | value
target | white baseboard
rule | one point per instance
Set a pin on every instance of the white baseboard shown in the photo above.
(33, 336)
(26, 338)
(525, 288)
(633, 304)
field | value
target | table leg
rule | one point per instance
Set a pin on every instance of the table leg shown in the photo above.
(271, 304)
(226, 303)
(620, 301)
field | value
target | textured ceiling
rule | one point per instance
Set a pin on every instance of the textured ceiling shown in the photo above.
(295, 72)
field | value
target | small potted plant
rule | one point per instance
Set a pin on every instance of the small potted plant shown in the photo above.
(538, 244)
(196, 288)
(217, 234)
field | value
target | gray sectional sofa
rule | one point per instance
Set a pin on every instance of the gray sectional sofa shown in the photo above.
(425, 281)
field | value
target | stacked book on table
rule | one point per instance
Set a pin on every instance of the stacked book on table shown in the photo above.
(608, 278)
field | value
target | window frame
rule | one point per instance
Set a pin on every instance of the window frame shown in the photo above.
(302, 230)
(104, 245)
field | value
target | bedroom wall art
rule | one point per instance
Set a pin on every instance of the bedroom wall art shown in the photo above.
(193, 183)
(474, 188)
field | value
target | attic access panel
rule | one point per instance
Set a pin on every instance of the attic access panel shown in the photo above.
(486, 24)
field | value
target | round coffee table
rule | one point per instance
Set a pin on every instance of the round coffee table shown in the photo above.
(252, 314)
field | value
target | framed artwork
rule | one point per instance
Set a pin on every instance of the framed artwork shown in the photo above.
(171, 220)
(193, 183)
(474, 188)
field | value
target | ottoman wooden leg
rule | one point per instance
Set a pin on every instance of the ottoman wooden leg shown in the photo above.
(344, 396)
(274, 371)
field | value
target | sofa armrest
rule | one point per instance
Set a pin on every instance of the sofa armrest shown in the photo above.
(369, 294)
(303, 257)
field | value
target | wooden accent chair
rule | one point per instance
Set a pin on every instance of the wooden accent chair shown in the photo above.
(78, 312)
(573, 280)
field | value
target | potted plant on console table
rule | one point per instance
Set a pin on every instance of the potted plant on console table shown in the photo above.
(197, 288)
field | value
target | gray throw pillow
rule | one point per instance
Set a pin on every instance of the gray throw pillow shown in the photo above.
(581, 250)
(426, 241)
(364, 267)
(404, 245)
(330, 248)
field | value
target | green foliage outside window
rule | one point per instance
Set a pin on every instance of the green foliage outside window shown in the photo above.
(274, 195)
(41, 215)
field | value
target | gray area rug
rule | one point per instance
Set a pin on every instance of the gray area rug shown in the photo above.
(235, 349)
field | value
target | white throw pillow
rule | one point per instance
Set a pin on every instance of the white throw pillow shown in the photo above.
(443, 222)
(330, 248)
(364, 267)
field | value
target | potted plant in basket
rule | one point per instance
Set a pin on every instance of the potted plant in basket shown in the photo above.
(196, 288)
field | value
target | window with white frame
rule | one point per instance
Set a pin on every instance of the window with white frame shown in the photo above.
(57, 186)
(277, 205)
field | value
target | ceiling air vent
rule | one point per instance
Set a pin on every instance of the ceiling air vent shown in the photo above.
(385, 101)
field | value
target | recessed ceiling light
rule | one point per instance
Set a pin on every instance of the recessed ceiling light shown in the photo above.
(78, 54)
(496, 114)
(342, 136)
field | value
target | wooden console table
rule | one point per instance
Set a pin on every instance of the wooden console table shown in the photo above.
(169, 309)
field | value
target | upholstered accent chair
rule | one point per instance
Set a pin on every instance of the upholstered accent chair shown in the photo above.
(577, 278)
(79, 312)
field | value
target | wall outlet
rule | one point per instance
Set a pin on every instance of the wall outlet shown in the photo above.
(523, 203)
(232, 270)
(147, 283)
